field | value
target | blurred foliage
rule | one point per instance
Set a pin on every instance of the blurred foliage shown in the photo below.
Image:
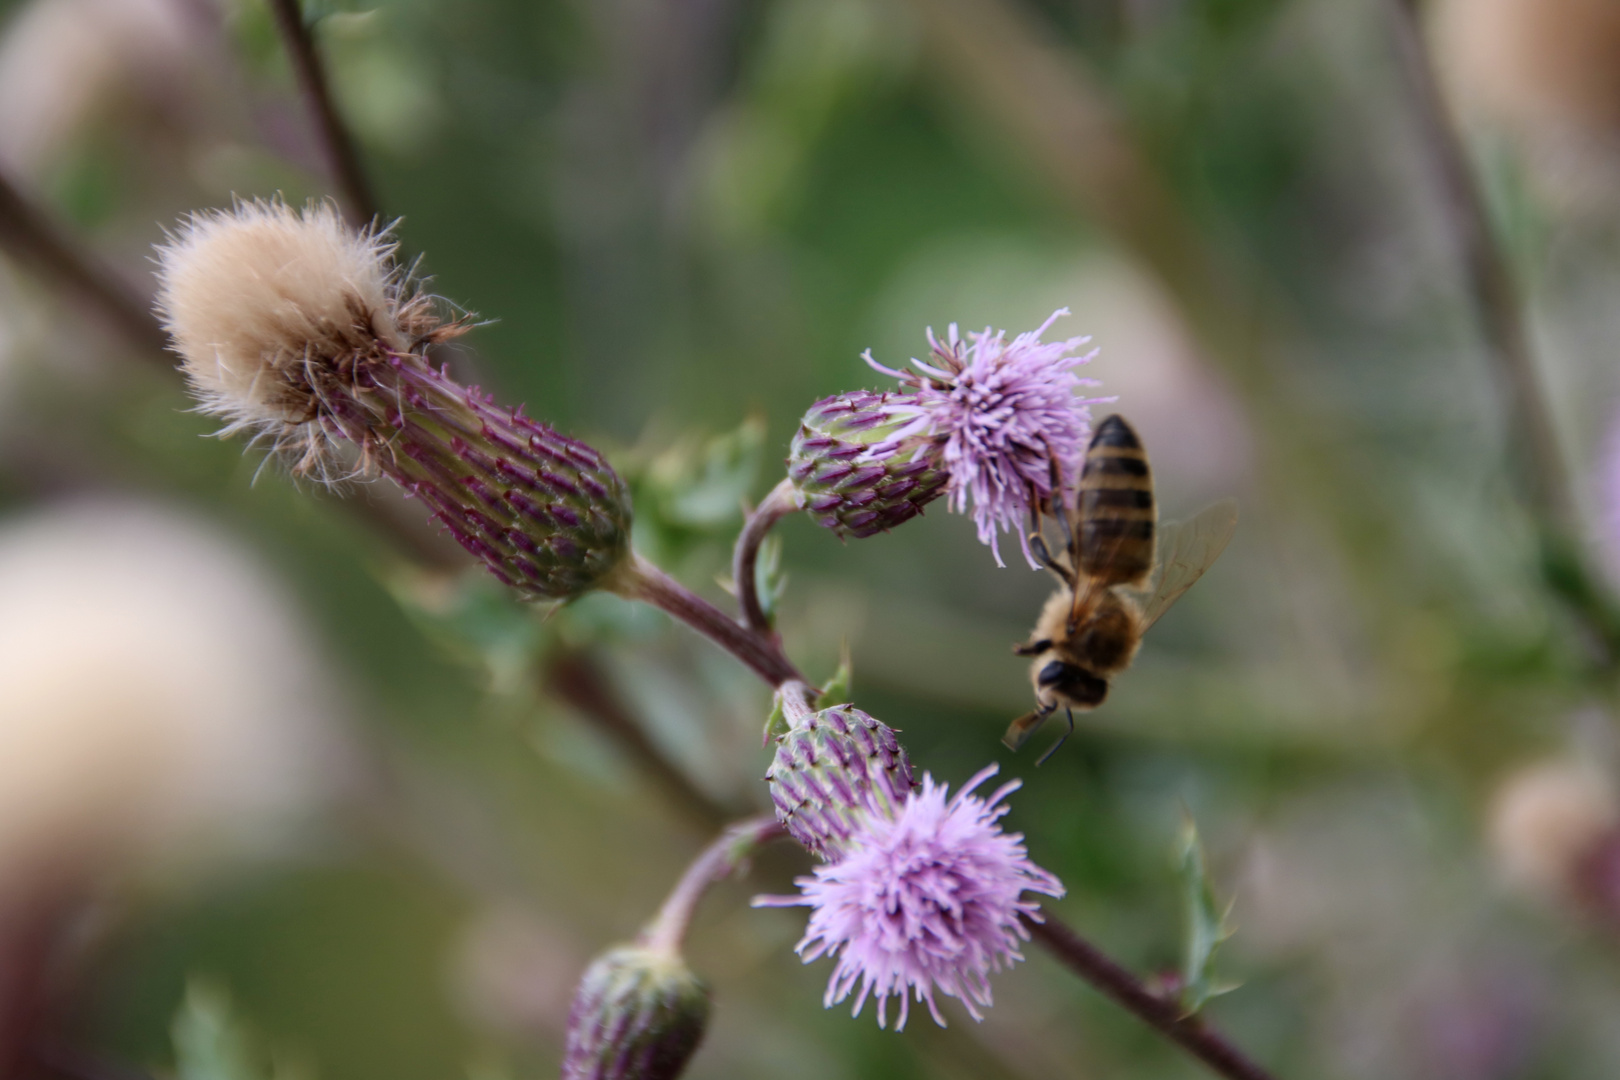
(685, 222)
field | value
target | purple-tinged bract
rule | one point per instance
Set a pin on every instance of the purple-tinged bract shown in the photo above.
(830, 771)
(1002, 411)
(862, 463)
(638, 1014)
(927, 901)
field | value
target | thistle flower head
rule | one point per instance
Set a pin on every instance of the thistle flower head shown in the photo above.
(924, 901)
(1003, 412)
(639, 1014)
(830, 770)
(265, 302)
(300, 330)
(862, 463)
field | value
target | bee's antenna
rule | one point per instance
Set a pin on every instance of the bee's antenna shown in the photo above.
(1061, 739)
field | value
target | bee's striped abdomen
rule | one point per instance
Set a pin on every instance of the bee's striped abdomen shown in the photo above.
(1114, 509)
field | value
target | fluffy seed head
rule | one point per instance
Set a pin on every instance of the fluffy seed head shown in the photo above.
(830, 770)
(157, 700)
(1003, 412)
(300, 330)
(259, 299)
(924, 901)
(639, 1014)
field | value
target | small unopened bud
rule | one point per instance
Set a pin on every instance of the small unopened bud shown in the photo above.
(832, 768)
(303, 332)
(639, 1014)
(863, 463)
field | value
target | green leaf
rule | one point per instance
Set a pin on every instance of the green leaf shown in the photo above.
(1206, 924)
(209, 1043)
(705, 489)
(476, 618)
(776, 721)
(769, 580)
(836, 691)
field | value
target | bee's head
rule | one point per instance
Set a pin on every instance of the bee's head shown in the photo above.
(1072, 684)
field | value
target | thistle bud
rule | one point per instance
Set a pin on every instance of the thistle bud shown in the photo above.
(830, 769)
(863, 463)
(303, 332)
(639, 1014)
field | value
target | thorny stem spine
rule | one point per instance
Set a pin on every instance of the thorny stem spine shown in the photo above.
(718, 861)
(342, 158)
(1127, 991)
(781, 502)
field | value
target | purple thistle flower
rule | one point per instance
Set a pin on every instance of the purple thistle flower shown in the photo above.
(1003, 412)
(830, 768)
(926, 900)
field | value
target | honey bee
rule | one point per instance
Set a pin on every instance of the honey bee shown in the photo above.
(1120, 571)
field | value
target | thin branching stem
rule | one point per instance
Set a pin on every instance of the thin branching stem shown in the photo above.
(1544, 478)
(337, 145)
(1163, 1014)
(781, 502)
(30, 236)
(640, 580)
(719, 861)
(1490, 282)
(578, 679)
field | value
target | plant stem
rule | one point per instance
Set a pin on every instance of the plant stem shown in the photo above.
(781, 502)
(576, 678)
(342, 159)
(30, 236)
(1128, 992)
(641, 580)
(1546, 487)
(1544, 481)
(798, 703)
(717, 862)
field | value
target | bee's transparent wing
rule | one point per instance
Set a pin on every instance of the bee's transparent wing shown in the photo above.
(1185, 550)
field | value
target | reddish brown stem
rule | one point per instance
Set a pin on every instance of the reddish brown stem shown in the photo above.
(641, 580)
(718, 862)
(342, 159)
(28, 234)
(578, 680)
(1127, 991)
(781, 502)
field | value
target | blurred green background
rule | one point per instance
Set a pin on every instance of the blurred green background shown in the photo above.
(685, 222)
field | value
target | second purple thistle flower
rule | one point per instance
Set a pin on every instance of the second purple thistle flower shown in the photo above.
(922, 899)
(982, 422)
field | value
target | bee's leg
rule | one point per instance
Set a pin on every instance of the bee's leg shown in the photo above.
(1059, 509)
(1043, 555)
(1019, 731)
(1034, 648)
(1061, 740)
